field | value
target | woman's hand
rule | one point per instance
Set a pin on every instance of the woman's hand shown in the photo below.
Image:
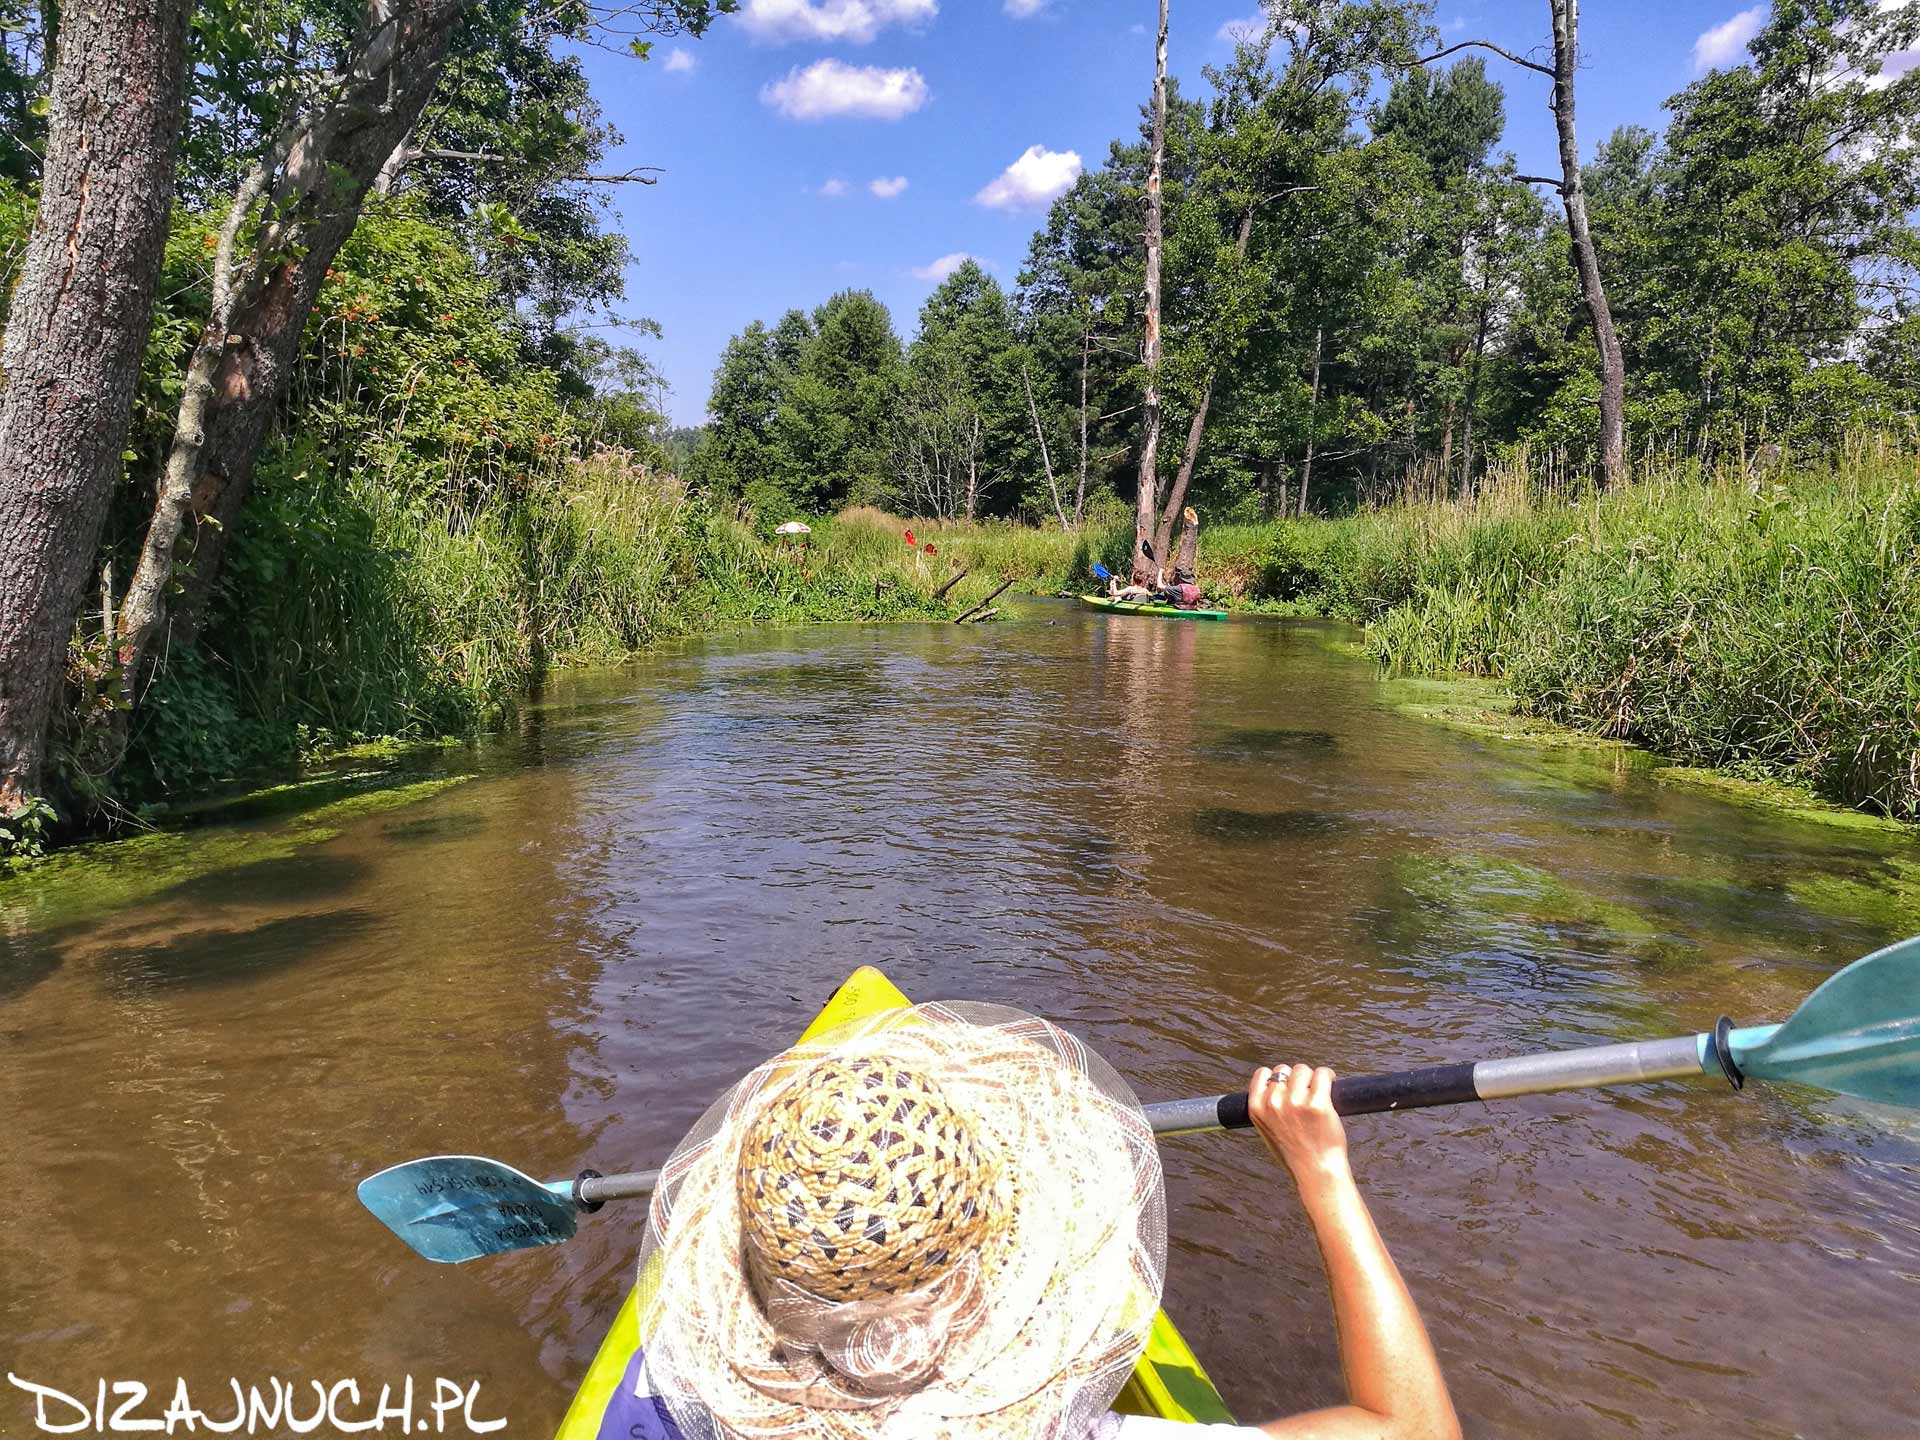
(1292, 1108)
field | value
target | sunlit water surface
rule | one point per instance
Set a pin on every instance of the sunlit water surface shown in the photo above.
(1201, 846)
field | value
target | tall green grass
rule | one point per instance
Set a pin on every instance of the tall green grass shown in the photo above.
(349, 611)
(1768, 624)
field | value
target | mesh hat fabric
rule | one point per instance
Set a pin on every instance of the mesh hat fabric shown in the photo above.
(1012, 1302)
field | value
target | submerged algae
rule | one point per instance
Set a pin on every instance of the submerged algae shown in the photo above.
(1499, 888)
(1886, 899)
(1482, 707)
(1776, 796)
(86, 880)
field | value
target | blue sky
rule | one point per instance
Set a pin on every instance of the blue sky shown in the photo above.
(772, 129)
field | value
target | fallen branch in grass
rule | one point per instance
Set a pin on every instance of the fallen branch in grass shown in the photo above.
(966, 614)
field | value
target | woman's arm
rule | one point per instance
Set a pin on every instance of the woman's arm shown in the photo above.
(1394, 1386)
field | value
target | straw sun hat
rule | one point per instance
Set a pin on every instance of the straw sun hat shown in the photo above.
(939, 1222)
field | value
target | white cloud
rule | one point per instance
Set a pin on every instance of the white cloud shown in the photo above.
(679, 60)
(854, 22)
(1243, 31)
(836, 187)
(1024, 9)
(1893, 66)
(943, 267)
(1032, 180)
(887, 188)
(833, 87)
(1726, 43)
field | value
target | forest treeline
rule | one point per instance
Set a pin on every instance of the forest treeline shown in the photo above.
(1359, 289)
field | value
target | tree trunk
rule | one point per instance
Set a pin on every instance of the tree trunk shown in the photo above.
(1147, 497)
(1189, 556)
(1613, 372)
(1313, 418)
(1197, 428)
(74, 339)
(313, 181)
(1080, 494)
(1177, 495)
(1481, 324)
(1046, 460)
(973, 466)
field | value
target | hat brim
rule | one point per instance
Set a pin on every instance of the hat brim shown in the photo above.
(1071, 1290)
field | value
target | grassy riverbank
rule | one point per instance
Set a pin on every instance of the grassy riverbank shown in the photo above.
(1765, 625)
(349, 614)
(1769, 627)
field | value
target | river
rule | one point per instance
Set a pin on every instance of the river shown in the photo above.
(1202, 847)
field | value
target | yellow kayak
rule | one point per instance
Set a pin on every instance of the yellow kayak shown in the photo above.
(1168, 1381)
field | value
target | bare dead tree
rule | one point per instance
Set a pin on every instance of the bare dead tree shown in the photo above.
(1313, 418)
(1045, 459)
(1573, 197)
(406, 155)
(1147, 496)
(1080, 491)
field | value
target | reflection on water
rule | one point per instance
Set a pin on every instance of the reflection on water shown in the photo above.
(1202, 847)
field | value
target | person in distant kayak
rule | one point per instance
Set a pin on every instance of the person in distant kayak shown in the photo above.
(1186, 590)
(947, 1222)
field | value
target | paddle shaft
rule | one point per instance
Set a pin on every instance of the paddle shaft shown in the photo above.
(597, 1189)
(1674, 1059)
(1678, 1058)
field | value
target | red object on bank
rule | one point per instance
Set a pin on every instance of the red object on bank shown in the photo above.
(929, 548)
(910, 539)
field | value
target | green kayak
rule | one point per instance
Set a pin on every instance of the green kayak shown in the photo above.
(1140, 607)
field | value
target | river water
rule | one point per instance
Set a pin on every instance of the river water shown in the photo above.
(1203, 847)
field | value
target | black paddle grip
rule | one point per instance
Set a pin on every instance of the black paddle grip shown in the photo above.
(1372, 1094)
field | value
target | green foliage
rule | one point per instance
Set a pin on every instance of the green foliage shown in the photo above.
(431, 525)
(24, 85)
(27, 829)
(1758, 256)
(802, 415)
(17, 206)
(1777, 630)
(960, 435)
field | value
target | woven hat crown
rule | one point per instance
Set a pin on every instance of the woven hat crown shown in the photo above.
(939, 1222)
(862, 1179)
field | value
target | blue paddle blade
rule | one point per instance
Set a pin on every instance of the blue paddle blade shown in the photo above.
(1858, 1034)
(1102, 571)
(459, 1207)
